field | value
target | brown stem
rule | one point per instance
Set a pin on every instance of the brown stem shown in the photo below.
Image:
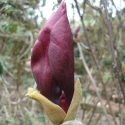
(115, 66)
(94, 58)
(92, 80)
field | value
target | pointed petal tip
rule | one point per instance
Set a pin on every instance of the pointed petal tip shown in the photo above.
(77, 79)
(75, 102)
(78, 82)
(63, 7)
(30, 92)
(27, 94)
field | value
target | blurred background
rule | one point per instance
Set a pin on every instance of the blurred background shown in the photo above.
(98, 28)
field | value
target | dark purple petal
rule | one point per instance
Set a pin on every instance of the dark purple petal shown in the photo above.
(52, 60)
(61, 56)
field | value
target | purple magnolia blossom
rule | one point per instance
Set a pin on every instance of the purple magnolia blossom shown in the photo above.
(52, 60)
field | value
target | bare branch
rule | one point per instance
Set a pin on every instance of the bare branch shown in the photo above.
(115, 66)
(92, 80)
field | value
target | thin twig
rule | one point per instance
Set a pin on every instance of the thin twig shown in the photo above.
(94, 58)
(11, 36)
(93, 81)
(29, 48)
(9, 72)
(116, 69)
(6, 111)
(8, 100)
(119, 17)
(122, 112)
(93, 111)
(86, 35)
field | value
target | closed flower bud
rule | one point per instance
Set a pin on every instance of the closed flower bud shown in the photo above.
(52, 59)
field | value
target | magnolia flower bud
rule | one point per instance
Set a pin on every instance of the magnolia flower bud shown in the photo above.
(52, 60)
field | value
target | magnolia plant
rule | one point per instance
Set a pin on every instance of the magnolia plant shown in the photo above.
(52, 64)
